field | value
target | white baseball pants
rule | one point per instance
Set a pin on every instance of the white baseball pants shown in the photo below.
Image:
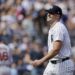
(63, 68)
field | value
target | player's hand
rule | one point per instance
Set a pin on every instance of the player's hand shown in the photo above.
(37, 62)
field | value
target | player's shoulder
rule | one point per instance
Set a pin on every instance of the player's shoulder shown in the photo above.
(60, 26)
(4, 46)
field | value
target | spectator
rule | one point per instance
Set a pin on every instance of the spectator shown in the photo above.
(13, 69)
(36, 53)
(23, 21)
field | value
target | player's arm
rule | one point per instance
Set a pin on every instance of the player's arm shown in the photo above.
(56, 48)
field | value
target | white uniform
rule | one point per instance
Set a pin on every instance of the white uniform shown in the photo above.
(5, 59)
(59, 32)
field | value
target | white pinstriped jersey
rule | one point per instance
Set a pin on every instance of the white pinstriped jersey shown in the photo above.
(5, 55)
(59, 32)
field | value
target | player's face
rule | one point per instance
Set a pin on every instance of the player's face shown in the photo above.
(51, 18)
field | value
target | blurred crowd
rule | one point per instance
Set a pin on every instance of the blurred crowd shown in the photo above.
(24, 29)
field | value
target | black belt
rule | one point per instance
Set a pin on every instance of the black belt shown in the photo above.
(62, 60)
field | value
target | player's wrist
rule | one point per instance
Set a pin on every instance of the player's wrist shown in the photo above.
(42, 60)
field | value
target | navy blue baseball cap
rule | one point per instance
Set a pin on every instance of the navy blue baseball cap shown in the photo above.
(55, 10)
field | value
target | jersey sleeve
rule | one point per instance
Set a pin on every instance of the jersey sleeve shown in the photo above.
(58, 34)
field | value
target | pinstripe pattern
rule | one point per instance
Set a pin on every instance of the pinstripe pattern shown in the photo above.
(63, 68)
(59, 32)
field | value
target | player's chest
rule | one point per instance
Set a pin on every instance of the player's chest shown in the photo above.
(50, 36)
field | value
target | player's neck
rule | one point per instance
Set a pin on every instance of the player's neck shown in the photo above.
(52, 25)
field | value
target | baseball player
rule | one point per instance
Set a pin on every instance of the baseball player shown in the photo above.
(5, 58)
(59, 47)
